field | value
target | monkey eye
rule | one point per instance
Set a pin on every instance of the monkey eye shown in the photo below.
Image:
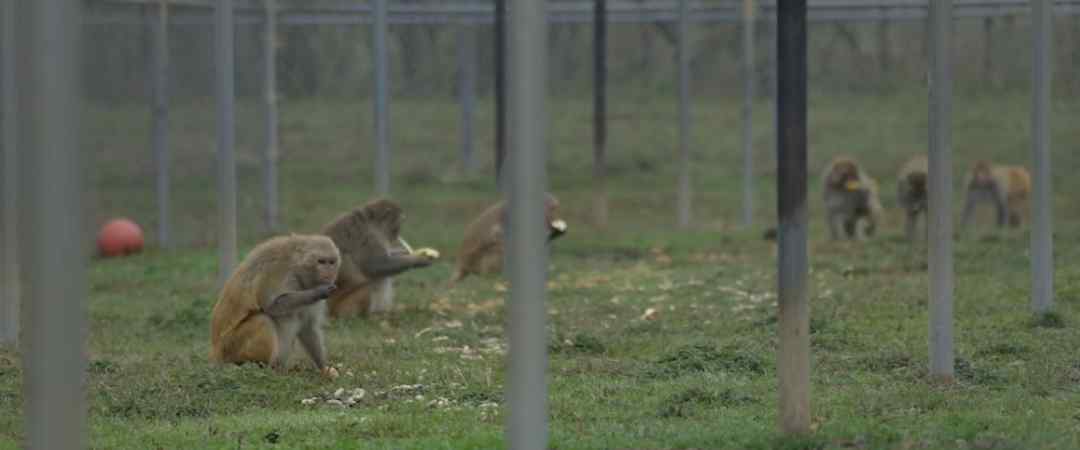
(327, 261)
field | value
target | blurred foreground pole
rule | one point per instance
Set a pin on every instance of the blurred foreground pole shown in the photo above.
(793, 361)
(9, 241)
(270, 125)
(940, 250)
(526, 426)
(382, 92)
(748, 111)
(467, 93)
(160, 114)
(223, 54)
(1042, 244)
(52, 241)
(500, 92)
(600, 196)
(684, 195)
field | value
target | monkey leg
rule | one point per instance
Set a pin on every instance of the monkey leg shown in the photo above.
(491, 262)
(851, 228)
(254, 340)
(835, 223)
(311, 338)
(1015, 219)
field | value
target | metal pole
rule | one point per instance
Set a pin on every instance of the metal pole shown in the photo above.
(1042, 244)
(161, 121)
(382, 93)
(500, 90)
(941, 226)
(223, 52)
(600, 207)
(793, 360)
(270, 155)
(51, 241)
(9, 241)
(467, 93)
(748, 112)
(683, 199)
(527, 256)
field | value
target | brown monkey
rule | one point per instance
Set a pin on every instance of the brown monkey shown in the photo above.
(1007, 187)
(273, 298)
(372, 251)
(911, 192)
(850, 195)
(482, 249)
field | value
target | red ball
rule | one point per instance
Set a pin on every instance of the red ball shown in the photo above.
(119, 237)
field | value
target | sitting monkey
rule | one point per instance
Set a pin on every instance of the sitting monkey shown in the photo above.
(274, 298)
(482, 249)
(372, 251)
(850, 196)
(911, 192)
(1007, 187)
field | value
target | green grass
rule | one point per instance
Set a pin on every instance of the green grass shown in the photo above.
(701, 375)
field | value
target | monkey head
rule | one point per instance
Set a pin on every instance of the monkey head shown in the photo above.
(556, 226)
(844, 175)
(317, 262)
(386, 215)
(981, 175)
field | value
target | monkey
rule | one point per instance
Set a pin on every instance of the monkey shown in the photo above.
(482, 248)
(273, 298)
(1007, 187)
(372, 251)
(911, 192)
(850, 195)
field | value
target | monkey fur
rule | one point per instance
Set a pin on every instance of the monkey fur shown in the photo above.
(850, 196)
(482, 248)
(1006, 187)
(911, 192)
(274, 298)
(372, 251)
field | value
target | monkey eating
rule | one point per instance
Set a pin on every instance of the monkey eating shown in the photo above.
(482, 248)
(372, 251)
(1007, 187)
(911, 192)
(274, 298)
(851, 197)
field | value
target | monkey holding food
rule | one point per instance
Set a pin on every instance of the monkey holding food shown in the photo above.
(850, 196)
(482, 248)
(1007, 187)
(911, 192)
(372, 251)
(274, 298)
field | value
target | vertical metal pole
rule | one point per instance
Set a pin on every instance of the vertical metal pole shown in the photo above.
(683, 200)
(467, 93)
(1042, 245)
(748, 112)
(526, 253)
(382, 93)
(500, 90)
(9, 241)
(600, 207)
(223, 53)
(161, 121)
(793, 360)
(940, 247)
(51, 240)
(270, 150)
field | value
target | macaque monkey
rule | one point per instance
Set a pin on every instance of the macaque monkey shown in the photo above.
(372, 251)
(1007, 187)
(273, 298)
(850, 195)
(911, 192)
(482, 249)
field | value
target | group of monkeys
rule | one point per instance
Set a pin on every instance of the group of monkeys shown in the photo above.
(853, 208)
(287, 287)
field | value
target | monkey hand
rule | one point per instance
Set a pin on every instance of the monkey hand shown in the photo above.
(428, 253)
(329, 372)
(324, 291)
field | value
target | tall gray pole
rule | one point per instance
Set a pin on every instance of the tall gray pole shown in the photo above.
(9, 241)
(1042, 244)
(382, 92)
(270, 150)
(748, 111)
(940, 247)
(526, 253)
(52, 250)
(223, 53)
(683, 197)
(467, 93)
(160, 115)
(600, 196)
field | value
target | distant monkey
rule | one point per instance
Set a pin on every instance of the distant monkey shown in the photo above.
(1007, 187)
(911, 192)
(372, 251)
(274, 298)
(851, 197)
(482, 248)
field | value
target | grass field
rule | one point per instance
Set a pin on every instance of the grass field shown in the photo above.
(701, 375)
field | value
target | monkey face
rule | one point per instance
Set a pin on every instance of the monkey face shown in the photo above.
(319, 264)
(844, 176)
(387, 215)
(981, 175)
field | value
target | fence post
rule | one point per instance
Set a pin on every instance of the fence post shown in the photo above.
(270, 130)
(600, 197)
(748, 112)
(683, 200)
(9, 262)
(160, 128)
(467, 93)
(1042, 244)
(226, 139)
(382, 86)
(940, 247)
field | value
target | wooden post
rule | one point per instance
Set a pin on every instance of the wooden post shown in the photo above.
(1042, 244)
(226, 139)
(941, 187)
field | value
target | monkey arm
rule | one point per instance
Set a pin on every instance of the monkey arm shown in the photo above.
(393, 264)
(287, 302)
